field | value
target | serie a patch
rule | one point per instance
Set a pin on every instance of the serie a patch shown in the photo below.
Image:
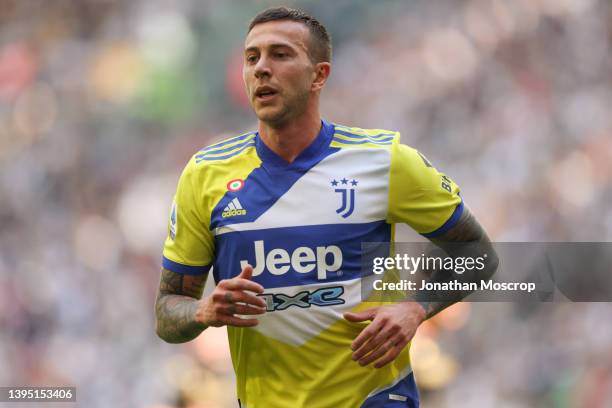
(173, 220)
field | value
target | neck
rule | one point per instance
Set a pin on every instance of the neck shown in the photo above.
(290, 139)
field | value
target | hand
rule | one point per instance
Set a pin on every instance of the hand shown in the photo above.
(391, 329)
(229, 298)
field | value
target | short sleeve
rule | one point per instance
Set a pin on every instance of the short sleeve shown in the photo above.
(421, 196)
(189, 247)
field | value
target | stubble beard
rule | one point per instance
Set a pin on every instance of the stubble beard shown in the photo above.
(289, 111)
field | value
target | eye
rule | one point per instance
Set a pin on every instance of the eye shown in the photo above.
(281, 54)
(251, 58)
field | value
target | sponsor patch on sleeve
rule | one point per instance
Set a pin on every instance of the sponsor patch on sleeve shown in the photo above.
(173, 218)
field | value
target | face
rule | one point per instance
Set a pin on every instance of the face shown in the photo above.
(279, 76)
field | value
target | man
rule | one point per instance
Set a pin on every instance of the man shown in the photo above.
(281, 214)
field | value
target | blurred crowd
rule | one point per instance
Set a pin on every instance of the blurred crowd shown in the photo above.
(102, 102)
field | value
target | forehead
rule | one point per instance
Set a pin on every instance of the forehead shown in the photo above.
(278, 32)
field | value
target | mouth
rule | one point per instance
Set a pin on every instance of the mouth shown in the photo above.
(265, 93)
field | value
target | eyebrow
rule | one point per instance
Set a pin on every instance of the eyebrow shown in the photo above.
(272, 46)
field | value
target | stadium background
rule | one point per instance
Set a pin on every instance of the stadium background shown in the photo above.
(102, 102)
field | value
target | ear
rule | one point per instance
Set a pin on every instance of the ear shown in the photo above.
(322, 70)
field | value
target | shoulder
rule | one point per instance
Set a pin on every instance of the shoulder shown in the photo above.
(226, 149)
(230, 153)
(355, 137)
(214, 163)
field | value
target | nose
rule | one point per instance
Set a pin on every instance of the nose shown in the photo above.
(262, 68)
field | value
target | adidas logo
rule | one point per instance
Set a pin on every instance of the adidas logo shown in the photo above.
(233, 208)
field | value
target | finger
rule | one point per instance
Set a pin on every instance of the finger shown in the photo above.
(399, 342)
(375, 341)
(247, 272)
(391, 355)
(249, 299)
(377, 353)
(371, 330)
(231, 297)
(238, 283)
(362, 316)
(363, 350)
(386, 332)
(237, 308)
(237, 321)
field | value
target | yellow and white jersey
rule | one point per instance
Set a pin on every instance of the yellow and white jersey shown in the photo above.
(301, 226)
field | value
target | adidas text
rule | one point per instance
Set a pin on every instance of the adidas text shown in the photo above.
(233, 208)
(232, 213)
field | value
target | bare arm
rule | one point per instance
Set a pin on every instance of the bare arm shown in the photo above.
(393, 326)
(466, 238)
(177, 305)
(182, 315)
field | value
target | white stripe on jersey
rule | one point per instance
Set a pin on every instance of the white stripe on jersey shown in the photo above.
(368, 167)
(296, 325)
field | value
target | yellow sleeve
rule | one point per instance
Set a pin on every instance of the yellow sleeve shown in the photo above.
(419, 195)
(189, 247)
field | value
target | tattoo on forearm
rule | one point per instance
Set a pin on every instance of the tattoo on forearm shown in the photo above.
(468, 231)
(176, 306)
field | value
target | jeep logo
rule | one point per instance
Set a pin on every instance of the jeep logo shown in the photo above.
(302, 260)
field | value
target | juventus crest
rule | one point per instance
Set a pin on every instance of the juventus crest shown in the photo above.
(346, 188)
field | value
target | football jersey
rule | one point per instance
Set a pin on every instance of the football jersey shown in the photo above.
(301, 225)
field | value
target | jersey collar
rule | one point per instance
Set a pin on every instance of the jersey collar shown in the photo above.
(306, 159)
